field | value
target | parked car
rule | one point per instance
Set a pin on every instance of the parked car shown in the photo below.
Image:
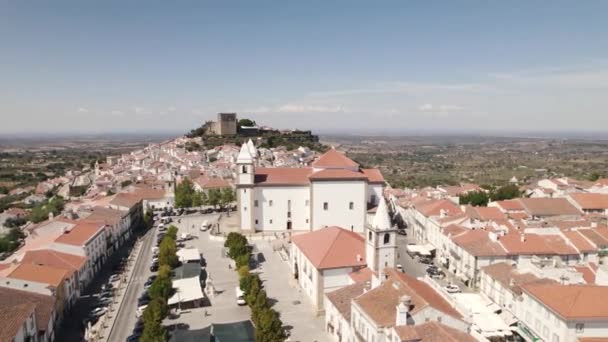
(148, 282)
(205, 225)
(434, 272)
(240, 296)
(400, 267)
(452, 288)
(133, 338)
(154, 268)
(98, 312)
(114, 277)
(143, 301)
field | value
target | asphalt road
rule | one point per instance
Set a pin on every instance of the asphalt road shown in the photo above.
(410, 266)
(125, 320)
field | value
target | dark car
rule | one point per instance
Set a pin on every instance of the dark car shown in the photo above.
(133, 338)
(143, 301)
(148, 282)
(425, 260)
(435, 273)
(153, 267)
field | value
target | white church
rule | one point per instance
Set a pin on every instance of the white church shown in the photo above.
(335, 191)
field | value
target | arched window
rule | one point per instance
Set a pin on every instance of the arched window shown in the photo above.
(244, 168)
(351, 205)
(369, 236)
(387, 238)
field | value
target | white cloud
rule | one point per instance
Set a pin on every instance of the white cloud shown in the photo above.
(82, 110)
(116, 112)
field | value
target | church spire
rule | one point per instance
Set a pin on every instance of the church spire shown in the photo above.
(381, 220)
(245, 156)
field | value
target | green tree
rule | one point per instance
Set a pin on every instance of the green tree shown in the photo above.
(214, 197)
(475, 198)
(162, 286)
(594, 176)
(183, 194)
(506, 192)
(167, 252)
(197, 199)
(243, 271)
(269, 327)
(39, 213)
(171, 232)
(227, 196)
(242, 260)
(252, 294)
(153, 316)
(246, 122)
(148, 219)
(56, 205)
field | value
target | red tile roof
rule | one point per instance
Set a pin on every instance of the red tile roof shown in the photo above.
(435, 207)
(125, 199)
(510, 205)
(343, 297)
(572, 302)
(361, 275)
(548, 206)
(432, 332)
(332, 247)
(334, 159)
(373, 175)
(337, 174)
(379, 303)
(82, 232)
(40, 274)
(579, 241)
(48, 257)
(589, 201)
(282, 176)
(17, 305)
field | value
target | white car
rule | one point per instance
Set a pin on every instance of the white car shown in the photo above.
(452, 288)
(114, 277)
(240, 296)
(205, 225)
(400, 267)
(140, 310)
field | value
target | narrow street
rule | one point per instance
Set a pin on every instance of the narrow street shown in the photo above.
(125, 316)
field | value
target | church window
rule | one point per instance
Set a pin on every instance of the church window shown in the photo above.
(270, 203)
(369, 236)
(244, 168)
(351, 205)
(387, 238)
(256, 221)
(270, 221)
(373, 199)
(255, 203)
(325, 205)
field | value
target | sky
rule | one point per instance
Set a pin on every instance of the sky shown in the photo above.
(330, 66)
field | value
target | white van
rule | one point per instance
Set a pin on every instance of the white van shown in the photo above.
(205, 225)
(140, 311)
(240, 296)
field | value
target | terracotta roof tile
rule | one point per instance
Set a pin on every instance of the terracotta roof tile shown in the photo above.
(373, 175)
(572, 302)
(332, 247)
(379, 303)
(343, 297)
(334, 159)
(548, 206)
(82, 232)
(510, 205)
(590, 201)
(48, 257)
(509, 277)
(282, 176)
(15, 302)
(432, 332)
(361, 275)
(40, 274)
(332, 174)
(579, 241)
(125, 199)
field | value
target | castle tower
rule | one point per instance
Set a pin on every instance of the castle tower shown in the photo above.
(244, 185)
(381, 240)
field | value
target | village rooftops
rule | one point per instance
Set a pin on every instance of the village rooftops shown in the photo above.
(126, 200)
(17, 305)
(48, 257)
(590, 201)
(509, 277)
(332, 247)
(343, 297)
(431, 332)
(40, 274)
(548, 207)
(303, 176)
(379, 303)
(571, 302)
(334, 159)
(81, 233)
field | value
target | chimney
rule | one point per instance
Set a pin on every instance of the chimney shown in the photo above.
(402, 309)
(523, 237)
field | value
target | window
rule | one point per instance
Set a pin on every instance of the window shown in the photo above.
(325, 205)
(387, 238)
(373, 199)
(244, 191)
(256, 221)
(306, 220)
(244, 168)
(270, 221)
(306, 203)
(244, 208)
(555, 338)
(580, 327)
(255, 203)
(545, 331)
(369, 236)
(351, 205)
(270, 203)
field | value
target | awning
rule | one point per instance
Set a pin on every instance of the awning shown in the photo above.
(186, 290)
